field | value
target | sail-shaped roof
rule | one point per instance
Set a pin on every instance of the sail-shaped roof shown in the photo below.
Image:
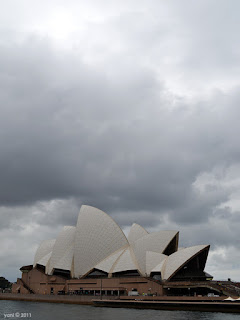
(156, 242)
(45, 247)
(178, 259)
(97, 244)
(97, 236)
(107, 264)
(136, 232)
(153, 259)
(44, 261)
(63, 246)
(124, 262)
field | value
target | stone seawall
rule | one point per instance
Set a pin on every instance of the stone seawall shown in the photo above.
(73, 299)
(215, 304)
(87, 299)
(204, 306)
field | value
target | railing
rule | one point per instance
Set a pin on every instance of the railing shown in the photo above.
(226, 288)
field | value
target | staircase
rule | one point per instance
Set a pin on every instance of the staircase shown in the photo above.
(26, 286)
(228, 289)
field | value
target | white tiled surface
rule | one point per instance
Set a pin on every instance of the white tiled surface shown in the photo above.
(97, 236)
(98, 242)
(136, 232)
(45, 247)
(108, 263)
(179, 258)
(45, 259)
(63, 244)
(153, 259)
(124, 262)
(156, 242)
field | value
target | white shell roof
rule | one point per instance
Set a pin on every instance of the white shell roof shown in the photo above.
(61, 249)
(45, 247)
(176, 260)
(45, 259)
(159, 267)
(107, 263)
(136, 232)
(98, 242)
(65, 262)
(156, 242)
(97, 236)
(153, 259)
(124, 262)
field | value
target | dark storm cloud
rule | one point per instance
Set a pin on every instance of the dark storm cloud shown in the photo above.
(70, 131)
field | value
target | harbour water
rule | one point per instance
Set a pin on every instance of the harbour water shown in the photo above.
(51, 311)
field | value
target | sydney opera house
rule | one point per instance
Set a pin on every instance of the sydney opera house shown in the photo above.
(96, 257)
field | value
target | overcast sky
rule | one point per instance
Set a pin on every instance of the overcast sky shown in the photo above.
(129, 106)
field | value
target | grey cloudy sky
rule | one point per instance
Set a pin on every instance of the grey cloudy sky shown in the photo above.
(129, 106)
